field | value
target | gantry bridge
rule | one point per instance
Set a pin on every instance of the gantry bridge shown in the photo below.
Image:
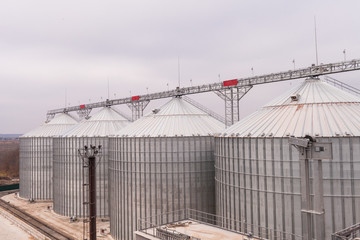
(231, 91)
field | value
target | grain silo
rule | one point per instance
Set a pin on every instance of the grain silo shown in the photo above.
(162, 162)
(36, 158)
(257, 171)
(68, 166)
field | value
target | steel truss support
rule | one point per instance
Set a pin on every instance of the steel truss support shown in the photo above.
(49, 117)
(137, 109)
(312, 71)
(84, 113)
(232, 97)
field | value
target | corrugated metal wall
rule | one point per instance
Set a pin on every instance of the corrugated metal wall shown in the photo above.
(151, 176)
(36, 168)
(258, 180)
(68, 176)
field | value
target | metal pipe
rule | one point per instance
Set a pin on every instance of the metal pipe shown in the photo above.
(305, 198)
(319, 200)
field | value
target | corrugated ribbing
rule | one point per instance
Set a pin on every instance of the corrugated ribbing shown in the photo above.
(151, 176)
(36, 168)
(68, 176)
(258, 181)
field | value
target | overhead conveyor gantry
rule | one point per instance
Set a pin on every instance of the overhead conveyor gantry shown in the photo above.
(231, 91)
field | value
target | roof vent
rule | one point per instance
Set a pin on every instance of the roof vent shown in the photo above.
(295, 98)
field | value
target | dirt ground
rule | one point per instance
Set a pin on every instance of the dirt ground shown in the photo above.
(8, 181)
(43, 211)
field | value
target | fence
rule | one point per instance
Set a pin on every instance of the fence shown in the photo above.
(9, 187)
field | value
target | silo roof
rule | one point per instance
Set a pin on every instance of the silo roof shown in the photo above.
(55, 126)
(176, 118)
(103, 123)
(313, 108)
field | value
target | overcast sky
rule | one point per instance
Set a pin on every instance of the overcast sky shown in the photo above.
(48, 48)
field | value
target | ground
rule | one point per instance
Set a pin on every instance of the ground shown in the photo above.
(8, 231)
(43, 211)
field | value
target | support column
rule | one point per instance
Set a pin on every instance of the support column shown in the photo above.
(88, 156)
(232, 97)
(137, 109)
(92, 199)
(84, 113)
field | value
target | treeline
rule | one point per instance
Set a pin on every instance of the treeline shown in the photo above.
(9, 159)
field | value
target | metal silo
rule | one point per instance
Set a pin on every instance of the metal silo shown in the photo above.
(257, 172)
(36, 158)
(68, 166)
(161, 163)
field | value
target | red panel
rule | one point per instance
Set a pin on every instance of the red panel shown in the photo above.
(82, 106)
(230, 83)
(135, 98)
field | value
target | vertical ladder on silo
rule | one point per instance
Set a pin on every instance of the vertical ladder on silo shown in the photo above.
(85, 197)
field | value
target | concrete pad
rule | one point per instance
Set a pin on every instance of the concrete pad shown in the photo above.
(196, 230)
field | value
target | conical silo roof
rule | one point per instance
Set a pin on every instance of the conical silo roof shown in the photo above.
(176, 118)
(103, 123)
(60, 123)
(313, 108)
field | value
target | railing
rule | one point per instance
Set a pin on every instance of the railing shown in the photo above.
(170, 234)
(342, 85)
(350, 233)
(204, 109)
(154, 224)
